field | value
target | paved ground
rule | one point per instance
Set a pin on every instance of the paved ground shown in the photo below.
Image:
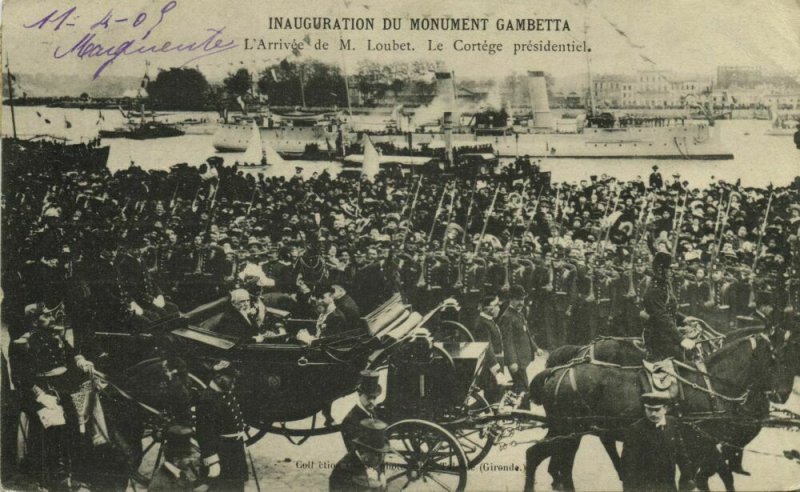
(282, 466)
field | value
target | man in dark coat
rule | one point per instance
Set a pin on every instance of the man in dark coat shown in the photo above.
(220, 431)
(661, 336)
(368, 392)
(518, 344)
(656, 181)
(331, 321)
(653, 447)
(239, 318)
(353, 472)
(347, 305)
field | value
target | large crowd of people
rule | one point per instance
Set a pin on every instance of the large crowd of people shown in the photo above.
(121, 251)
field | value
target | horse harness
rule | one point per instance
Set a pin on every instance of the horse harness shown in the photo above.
(586, 356)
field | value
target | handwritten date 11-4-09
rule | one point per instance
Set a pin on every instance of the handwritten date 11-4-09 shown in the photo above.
(89, 45)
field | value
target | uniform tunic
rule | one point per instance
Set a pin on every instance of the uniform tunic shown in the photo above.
(661, 336)
(219, 419)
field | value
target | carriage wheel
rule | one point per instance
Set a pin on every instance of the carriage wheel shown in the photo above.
(254, 434)
(425, 456)
(451, 331)
(476, 442)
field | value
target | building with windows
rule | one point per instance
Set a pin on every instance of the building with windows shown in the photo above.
(729, 76)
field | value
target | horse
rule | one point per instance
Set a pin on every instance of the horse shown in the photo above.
(580, 396)
(628, 351)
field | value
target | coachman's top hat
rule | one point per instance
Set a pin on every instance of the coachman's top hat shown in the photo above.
(368, 383)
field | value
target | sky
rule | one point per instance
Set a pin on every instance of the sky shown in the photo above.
(685, 36)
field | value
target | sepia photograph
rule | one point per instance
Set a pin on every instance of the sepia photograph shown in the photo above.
(370, 245)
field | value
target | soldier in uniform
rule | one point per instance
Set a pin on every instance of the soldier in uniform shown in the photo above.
(44, 367)
(519, 347)
(220, 431)
(486, 329)
(698, 292)
(716, 309)
(661, 336)
(138, 285)
(564, 292)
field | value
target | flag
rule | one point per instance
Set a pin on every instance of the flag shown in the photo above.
(371, 164)
(67, 123)
(145, 81)
(100, 115)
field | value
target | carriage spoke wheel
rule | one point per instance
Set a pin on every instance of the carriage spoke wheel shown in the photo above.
(424, 456)
(254, 434)
(476, 442)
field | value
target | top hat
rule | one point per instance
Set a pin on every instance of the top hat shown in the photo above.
(372, 436)
(368, 383)
(656, 399)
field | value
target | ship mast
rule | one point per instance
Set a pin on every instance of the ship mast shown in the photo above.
(302, 88)
(593, 105)
(11, 98)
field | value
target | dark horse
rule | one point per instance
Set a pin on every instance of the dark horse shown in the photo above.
(584, 397)
(628, 352)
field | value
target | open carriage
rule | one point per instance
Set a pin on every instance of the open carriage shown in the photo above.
(431, 365)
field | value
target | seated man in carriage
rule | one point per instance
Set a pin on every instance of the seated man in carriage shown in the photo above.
(246, 318)
(47, 371)
(330, 321)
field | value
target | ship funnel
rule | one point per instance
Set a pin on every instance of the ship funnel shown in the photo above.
(447, 126)
(537, 93)
(445, 90)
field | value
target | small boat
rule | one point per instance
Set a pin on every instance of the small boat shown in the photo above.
(143, 131)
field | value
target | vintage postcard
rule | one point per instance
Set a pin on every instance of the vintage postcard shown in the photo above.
(381, 245)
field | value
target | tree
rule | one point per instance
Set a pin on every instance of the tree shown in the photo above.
(239, 83)
(179, 89)
(322, 84)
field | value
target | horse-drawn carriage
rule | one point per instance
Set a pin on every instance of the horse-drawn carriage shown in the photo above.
(441, 425)
(431, 365)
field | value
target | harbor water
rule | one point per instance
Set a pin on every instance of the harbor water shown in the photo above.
(759, 159)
